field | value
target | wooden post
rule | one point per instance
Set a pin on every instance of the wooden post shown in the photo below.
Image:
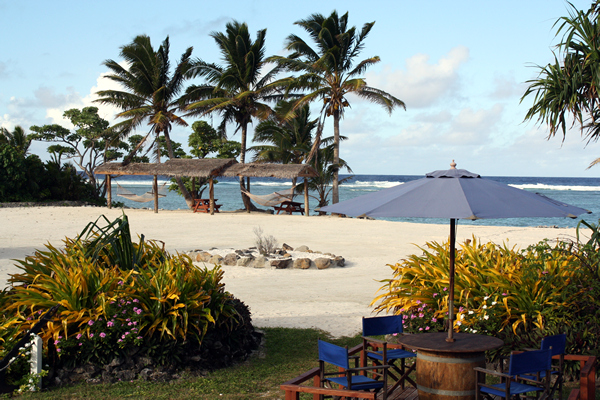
(306, 211)
(155, 190)
(211, 191)
(108, 191)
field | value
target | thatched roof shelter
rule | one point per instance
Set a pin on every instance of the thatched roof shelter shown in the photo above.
(203, 168)
(283, 171)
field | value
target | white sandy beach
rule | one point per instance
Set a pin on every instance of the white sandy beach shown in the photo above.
(334, 299)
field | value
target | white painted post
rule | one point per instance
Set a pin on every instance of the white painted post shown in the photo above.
(36, 361)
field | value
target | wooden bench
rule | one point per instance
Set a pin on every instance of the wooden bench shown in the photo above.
(203, 205)
(289, 207)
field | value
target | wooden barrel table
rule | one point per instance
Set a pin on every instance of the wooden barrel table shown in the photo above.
(445, 370)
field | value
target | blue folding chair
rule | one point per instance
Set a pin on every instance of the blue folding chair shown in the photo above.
(557, 345)
(524, 376)
(349, 378)
(387, 325)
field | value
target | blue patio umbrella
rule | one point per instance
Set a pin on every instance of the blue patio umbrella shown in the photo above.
(454, 194)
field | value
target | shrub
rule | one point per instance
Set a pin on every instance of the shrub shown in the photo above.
(117, 296)
(518, 296)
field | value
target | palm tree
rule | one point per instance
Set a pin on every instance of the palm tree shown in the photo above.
(284, 141)
(331, 70)
(236, 90)
(17, 139)
(151, 93)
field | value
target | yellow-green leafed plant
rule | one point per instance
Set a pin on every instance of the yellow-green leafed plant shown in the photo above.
(175, 298)
(69, 278)
(495, 286)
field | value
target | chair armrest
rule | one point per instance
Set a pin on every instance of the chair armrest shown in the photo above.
(492, 372)
(369, 368)
(370, 339)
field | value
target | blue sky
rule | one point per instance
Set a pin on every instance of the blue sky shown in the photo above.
(459, 66)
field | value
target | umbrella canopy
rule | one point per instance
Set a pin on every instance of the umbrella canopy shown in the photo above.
(454, 194)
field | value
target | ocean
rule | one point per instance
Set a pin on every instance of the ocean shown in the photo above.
(581, 192)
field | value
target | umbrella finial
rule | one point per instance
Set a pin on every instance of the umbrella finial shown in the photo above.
(452, 165)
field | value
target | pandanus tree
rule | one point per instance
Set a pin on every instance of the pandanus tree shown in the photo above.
(566, 91)
(330, 71)
(151, 93)
(237, 90)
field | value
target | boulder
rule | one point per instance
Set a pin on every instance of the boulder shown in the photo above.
(230, 259)
(287, 247)
(203, 256)
(281, 263)
(245, 261)
(302, 263)
(216, 259)
(338, 261)
(302, 248)
(259, 262)
(323, 262)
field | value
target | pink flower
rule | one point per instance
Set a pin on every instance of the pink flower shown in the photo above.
(78, 336)
(138, 311)
(139, 337)
(426, 328)
(91, 335)
(136, 301)
(102, 334)
(58, 350)
(119, 341)
(435, 294)
(110, 324)
(433, 319)
(418, 301)
(420, 329)
(90, 322)
(445, 289)
(81, 344)
(421, 315)
(504, 294)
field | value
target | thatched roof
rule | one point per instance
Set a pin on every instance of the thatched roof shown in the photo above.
(286, 171)
(203, 168)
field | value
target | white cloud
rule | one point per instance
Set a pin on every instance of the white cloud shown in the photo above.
(506, 87)
(423, 83)
(55, 114)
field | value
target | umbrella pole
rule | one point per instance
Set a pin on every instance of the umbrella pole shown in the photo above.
(451, 276)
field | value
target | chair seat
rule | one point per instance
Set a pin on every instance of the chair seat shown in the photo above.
(392, 354)
(358, 382)
(515, 388)
(542, 374)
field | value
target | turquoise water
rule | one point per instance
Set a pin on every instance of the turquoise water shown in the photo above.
(581, 192)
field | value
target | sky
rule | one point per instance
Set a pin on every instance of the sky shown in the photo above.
(461, 67)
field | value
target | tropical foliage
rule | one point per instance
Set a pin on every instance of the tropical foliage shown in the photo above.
(150, 92)
(518, 296)
(565, 93)
(239, 89)
(89, 145)
(330, 71)
(115, 294)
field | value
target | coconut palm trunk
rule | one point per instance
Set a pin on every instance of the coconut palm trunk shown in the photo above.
(184, 192)
(335, 194)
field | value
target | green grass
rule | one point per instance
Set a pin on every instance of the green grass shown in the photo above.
(288, 353)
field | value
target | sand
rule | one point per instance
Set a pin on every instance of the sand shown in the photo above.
(333, 300)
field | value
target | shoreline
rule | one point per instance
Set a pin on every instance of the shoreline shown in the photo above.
(333, 299)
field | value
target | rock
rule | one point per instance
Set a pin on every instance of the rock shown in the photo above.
(126, 375)
(287, 247)
(145, 373)
(302, 263)
(322, 262)
(338, 261)
(116, 362)
(239, 252)
(159, 376)
(144, 362)
(216, 259)
(302, 248)
(259, 262)
(282, 263)
(245, 261)
(230, 259)
(203, 256)
(286, 255)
